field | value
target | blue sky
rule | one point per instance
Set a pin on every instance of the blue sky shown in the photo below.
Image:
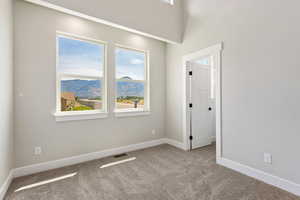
(84, 58)
(130, 63)
(78, 57)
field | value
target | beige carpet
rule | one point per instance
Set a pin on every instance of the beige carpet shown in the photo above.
(158, 173)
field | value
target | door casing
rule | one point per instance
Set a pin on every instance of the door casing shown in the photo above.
(215, 52)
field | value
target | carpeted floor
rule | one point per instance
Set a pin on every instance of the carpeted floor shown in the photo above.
(158, 173)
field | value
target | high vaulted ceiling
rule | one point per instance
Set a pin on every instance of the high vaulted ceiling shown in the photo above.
(154, 18)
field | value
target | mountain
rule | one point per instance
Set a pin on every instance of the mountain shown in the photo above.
(82, 88)
(92, 88)
(126, 78)
(130, 89)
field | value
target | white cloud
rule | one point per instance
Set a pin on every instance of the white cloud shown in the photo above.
(136, 61)
(137, 74)
(82, 71)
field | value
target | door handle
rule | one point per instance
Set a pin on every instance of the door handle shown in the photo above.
(209, 108)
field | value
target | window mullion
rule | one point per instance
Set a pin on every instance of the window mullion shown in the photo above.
(79, 76)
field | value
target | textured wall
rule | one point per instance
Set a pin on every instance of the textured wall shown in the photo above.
(6, 88)
(260, 76)
(35, 79)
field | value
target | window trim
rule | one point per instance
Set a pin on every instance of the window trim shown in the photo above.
(146, 109)
(81, 115)
(132, 113)
(170, 2)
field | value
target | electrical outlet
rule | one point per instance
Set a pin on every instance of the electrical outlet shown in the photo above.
(268, 158)
(37, 150)
(153, 132)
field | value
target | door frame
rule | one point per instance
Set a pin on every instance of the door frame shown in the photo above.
(215, 52)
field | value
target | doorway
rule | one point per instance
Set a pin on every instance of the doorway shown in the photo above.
(202, 98)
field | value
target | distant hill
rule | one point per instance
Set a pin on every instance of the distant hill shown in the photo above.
(126, 78)
(91, 88)
(82, 88)
(130, 89)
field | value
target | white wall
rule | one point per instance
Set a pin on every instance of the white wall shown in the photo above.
(260, 77)
(152, 17)
(35, 80)
(6, 88)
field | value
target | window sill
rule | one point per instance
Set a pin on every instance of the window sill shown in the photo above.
(131, 113)
(77, 115)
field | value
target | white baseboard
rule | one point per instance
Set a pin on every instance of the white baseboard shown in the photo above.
(6, 184)
(175, 143)
(262, 176)
(213, 139)
(36, 168)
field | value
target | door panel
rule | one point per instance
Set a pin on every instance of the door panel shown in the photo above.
(202, 118)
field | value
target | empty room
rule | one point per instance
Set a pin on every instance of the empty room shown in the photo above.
(149, 100)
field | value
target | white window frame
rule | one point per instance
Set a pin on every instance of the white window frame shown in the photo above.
(133, 111)
(171, 2)
(81, 115)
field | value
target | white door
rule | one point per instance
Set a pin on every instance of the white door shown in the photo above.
(203, 106)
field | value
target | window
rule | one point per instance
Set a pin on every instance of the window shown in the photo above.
(204, 61)
(131, 80)
(171, 2)
(80, 75)
(208, 61)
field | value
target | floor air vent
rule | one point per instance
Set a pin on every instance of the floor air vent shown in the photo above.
(120, 155)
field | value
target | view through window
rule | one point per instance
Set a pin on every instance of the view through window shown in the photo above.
(131, 79)
(80, 72)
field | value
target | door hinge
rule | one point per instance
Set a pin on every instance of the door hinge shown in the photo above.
(191, 137)
(191, 73)
(190, 105)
